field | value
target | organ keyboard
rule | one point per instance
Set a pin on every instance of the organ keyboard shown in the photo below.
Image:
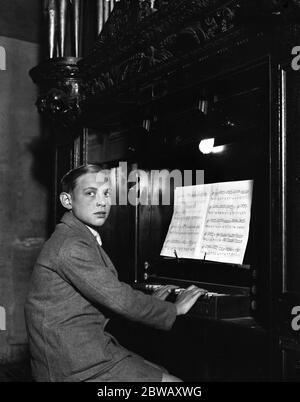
(212, 305)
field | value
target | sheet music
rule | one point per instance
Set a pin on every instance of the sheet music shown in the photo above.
(187, 224)
(226, 227)
(210, 221)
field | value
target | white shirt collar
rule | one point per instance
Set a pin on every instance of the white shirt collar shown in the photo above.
(96, 234)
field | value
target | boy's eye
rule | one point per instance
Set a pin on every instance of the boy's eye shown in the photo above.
(91, 193)
(107, 193)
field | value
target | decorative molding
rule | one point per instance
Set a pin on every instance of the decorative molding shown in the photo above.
(61, 90)
(135, 43)
(132, 44)
(140, 46)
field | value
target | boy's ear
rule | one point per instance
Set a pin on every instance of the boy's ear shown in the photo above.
(66, 200)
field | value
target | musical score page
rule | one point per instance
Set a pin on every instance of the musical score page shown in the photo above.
(187, 224)
(210, 221)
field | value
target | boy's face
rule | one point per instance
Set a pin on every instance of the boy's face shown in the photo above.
(90, 201)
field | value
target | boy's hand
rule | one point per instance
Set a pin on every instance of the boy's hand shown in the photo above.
(187, 298)
(163, 291)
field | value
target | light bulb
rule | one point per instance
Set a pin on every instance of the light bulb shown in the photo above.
(206, 146)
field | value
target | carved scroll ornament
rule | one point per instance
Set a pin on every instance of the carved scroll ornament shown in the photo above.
(61, 90)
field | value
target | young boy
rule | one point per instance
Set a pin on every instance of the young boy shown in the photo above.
(74, 287)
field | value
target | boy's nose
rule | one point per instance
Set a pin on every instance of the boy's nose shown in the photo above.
(100, 201)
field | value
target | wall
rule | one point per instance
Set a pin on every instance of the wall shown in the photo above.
(20, 19)
(23, 199)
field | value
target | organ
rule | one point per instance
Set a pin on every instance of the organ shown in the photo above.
(161, 77)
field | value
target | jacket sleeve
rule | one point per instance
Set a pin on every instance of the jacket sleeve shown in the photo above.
(80, 266)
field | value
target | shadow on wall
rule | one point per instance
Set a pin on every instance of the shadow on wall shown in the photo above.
(42, 169)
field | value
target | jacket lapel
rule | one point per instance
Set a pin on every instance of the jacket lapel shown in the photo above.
(75, 224)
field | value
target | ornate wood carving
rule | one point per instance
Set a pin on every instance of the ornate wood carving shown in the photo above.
(143, 41)
(134, 39)
(61, 86)
(138, 43)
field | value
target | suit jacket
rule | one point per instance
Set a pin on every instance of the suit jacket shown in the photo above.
(73, 285)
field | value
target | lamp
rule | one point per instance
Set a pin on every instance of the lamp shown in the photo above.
(207, 146)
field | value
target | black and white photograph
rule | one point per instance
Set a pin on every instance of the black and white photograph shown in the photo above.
(150, 195)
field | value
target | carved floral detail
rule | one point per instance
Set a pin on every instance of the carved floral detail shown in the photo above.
(165, 36)
(56, 105)
(61, 86)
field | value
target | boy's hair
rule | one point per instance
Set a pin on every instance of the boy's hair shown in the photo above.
(68, 181)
